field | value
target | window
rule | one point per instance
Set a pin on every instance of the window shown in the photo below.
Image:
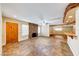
(25, 30)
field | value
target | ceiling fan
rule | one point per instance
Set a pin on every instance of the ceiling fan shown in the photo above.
(44, 21)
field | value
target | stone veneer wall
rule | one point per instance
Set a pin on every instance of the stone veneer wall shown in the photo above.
(33, 28)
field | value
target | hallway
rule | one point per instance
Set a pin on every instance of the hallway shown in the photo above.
(41, 46)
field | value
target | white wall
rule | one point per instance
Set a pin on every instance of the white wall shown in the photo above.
(0, 31)
(44, 30)
(55, 21)
(74, 43)
(39, 30)
(77, 22)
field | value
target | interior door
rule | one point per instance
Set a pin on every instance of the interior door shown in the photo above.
(11, 32)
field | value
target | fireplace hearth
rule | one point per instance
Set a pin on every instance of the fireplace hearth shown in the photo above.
(34, 34)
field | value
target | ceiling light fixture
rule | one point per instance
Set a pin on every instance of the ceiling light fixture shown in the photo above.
(70, 17)
(58, 29)
(67, 21)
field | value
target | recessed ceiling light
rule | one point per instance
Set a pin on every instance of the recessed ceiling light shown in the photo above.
(58, 29)
(67, 21)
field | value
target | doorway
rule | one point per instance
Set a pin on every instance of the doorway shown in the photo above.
(11, 32)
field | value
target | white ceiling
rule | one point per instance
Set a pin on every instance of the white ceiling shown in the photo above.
(34, 11)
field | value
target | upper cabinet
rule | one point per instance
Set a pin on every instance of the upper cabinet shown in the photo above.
(69, 14)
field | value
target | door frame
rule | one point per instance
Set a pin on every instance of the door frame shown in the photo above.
(11, 21)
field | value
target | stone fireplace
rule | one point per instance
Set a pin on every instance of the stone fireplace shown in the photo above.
(33, 30)
(34, 34)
